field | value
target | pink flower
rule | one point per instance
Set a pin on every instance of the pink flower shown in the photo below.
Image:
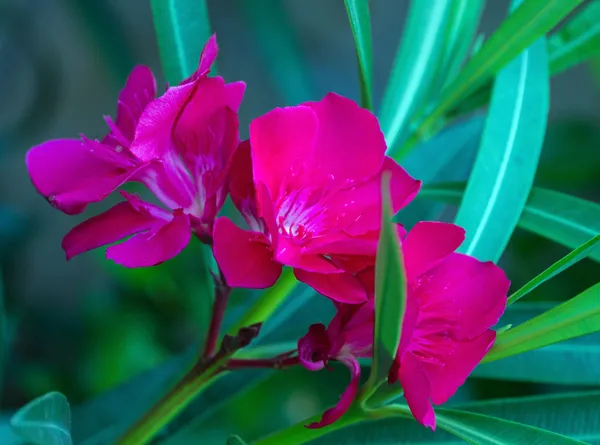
(179, 145)
(313, 197)
(348, 337)
(452, 302)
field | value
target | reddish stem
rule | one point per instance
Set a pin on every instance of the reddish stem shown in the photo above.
(274, 363)
(222, 291)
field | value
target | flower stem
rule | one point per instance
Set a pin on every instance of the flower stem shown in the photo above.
(191, 384)
(273, 363)
(222, 292)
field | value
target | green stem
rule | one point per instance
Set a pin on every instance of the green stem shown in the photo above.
(197, 379)
(268, 303)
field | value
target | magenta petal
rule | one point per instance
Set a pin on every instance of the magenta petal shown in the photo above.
(350, 145)
(208, 55)
(241, 183)
(243, 256)
(333, 414)
(70, 176)
(155, 246)
(342, 287)
(234, 93)
(416, 390)
(460, 358)
(116, 223)
(427, 244)
(313, 348)
(282, 142)
(469, 295)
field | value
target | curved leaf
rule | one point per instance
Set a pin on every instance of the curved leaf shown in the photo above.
(415, 67)
(507, 160)
(44, 421)
(562, 218)
(360, 22)
(182, 27)
(576, 317)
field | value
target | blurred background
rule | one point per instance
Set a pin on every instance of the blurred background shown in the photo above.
(81, 327)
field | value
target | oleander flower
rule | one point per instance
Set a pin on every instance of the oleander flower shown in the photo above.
(179, 145)
(311, 199)
(452, 302)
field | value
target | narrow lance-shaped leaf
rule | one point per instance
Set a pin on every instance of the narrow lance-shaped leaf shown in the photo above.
(182, 27)
(44, 421)
(571, 362)
(562, 218)
(235, 440)
(507, 160)
(360, 22)
(561, 265)
(390, 292)
(576, 317)
(530, 21)
(415, 67)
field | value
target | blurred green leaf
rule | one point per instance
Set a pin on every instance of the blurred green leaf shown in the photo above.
(390, 293)
(575, 317)
(182, 27)
(360, 22)
(280, 49)
(530, 21)
(44, 421)
(480, 429)
(562, 218)
(572, 362)
(235, 440)
(415, 67)
(561, 265)
(507, 160)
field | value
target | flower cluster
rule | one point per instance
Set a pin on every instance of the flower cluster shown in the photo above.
(308, 184)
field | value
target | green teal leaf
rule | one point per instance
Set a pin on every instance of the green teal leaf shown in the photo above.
(182, 27)
(575, 317)
(571, 362)
(414, 68)
(279, 47)
(562, 218)
(360, 22)
(44, 421)
(561, 265)
(235, 440)
(507, 160)
(390, 293)
(526, 24)
(480, 429)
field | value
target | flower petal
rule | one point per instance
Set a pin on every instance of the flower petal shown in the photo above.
(333, 414)
(282, 141)
(465, 295)
(313, 348)
(350, 146)
(234, 92)
(427, 244)
(244, 257)
(342, 287)
(208, 55)
(70, 175)
(116, 223)
(241, 185)
(416, 390)
(460, 358)
(155, 246)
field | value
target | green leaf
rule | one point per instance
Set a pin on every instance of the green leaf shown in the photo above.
(390, 293)
(561, 265)
(235, 440)
(414, 68)
(279, 47)
(507, 160)
(577, 41)
(44, 421)
(530, 21)
(571, 362)
(360, 22)
(182, 27)
(576, 317)
(485, 430)
(562, 218)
